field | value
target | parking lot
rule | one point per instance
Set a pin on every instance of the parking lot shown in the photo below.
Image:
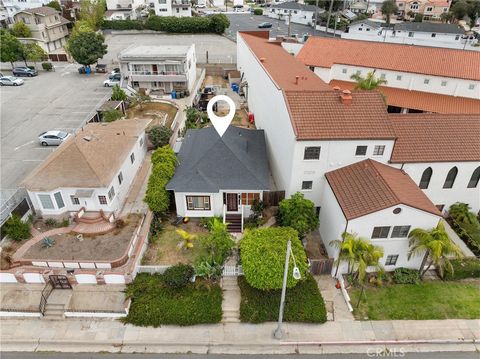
(60, 100)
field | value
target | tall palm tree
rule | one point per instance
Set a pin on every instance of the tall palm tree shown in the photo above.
(435, 246)
(389, 7)
(460, 212)
(370, 82)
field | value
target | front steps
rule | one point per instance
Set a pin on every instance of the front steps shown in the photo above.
(234, 223)
(231, 300)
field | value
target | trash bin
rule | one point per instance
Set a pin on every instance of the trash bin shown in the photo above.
(88, 70)
(174, 94)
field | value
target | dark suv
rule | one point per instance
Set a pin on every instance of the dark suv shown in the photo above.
(24, 71)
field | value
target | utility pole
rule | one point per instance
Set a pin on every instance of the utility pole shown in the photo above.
(329, 15)
(335, 26)
(316, 19)
(289, 22)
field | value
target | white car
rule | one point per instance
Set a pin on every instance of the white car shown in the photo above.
(111, 82)
(53, 138)
(10, 81)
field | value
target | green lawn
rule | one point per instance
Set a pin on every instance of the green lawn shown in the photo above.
(427, 300)
(154, 304)
(303, 303)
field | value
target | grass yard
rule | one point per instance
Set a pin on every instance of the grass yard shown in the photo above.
(427, 300)
(155, 111)
(303, 303)
(155, 304)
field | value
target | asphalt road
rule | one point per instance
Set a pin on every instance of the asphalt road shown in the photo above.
(439, 355)
(60, 100)
(243, 22)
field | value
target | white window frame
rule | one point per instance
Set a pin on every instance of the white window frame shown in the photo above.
(45, 196)
(379, 150)
(207, 206)
(307, 189)
(57, 199)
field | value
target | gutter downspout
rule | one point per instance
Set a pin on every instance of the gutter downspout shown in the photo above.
(338, 262)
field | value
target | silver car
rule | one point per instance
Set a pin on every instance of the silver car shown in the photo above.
(53, 138)
(10, 81)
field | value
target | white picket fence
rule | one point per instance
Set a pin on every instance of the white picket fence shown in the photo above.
(232, 271)
(228, 271)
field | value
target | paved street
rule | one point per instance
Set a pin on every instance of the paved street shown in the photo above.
(439, 355)
(59, 100)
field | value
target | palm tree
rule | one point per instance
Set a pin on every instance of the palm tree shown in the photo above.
(187, 238)
(370, 82)
(461, 213)
(435, 246)
(389, 7)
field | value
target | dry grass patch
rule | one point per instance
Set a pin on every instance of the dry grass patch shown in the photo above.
(155, 111)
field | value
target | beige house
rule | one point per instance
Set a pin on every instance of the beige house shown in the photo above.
(48, 27)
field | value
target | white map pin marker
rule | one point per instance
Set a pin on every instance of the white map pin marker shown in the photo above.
(221, 123)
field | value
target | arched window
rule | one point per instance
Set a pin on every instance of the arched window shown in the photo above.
(450, 180)
(425, 180)
(474, 179)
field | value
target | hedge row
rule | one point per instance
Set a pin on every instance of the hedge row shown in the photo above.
(464, 268)
(209, 24)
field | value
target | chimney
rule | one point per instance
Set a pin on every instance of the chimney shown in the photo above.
(346, 97)
(296, 79)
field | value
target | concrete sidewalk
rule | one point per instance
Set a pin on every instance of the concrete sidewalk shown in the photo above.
(236, 338)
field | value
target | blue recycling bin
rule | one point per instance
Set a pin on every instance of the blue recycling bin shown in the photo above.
(174, 94)
(235, 88)
(88, 70)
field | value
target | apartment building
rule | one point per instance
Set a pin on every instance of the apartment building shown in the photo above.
(8, 8)
(126, 9)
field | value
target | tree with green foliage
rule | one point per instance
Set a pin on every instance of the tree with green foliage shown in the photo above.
(87, 47)
(299, 213)
(16, 229)
(369, 82)
(473, 11)
(19, 29)
(34, 52)
(461, 213)
(92, 13)
(11, 49)
(163, 169)
(389, 7)
(263, 257)
(459, 9)
(447, 17)
(219, 23)
(418, 18)
(118, 94)
(139, 99)
(218, 243)
(111, 115)
(55, 5)
(159, 135)
(435, 246)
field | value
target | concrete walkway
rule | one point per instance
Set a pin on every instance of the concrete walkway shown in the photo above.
(337, 309)
(134, 202)
(332, 337)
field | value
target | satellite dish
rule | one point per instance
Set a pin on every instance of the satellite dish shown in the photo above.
(296, 273)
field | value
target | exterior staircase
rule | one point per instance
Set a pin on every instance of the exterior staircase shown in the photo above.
(234, 222)
(231, 300)
(56, 304)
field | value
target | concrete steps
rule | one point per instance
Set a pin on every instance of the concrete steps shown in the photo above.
(231, 300)
(54, 311)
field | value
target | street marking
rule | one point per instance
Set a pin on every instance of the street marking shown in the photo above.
(32, 160)
(25, 144)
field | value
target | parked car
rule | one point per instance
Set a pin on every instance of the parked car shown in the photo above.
(264, 25)
(53, 138)
(102, 68)
(238, 6)
(111, 82)
(116, 70)
(10, 81)
(116, 77)
(24, 71)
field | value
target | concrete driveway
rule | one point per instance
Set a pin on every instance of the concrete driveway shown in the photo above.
(60, 100)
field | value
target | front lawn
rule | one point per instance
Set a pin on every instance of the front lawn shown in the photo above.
(427, 300)
(303, 303)
(154, 303)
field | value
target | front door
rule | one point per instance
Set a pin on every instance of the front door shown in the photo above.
(154, 69)
(232, 202)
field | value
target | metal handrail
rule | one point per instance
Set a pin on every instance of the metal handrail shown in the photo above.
(47, 290)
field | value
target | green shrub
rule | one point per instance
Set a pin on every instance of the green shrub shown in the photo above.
(406, 276)
(159, 135)
(178, 276)
(258, 12)
(65, 222)
(51, 222)
(218, 243)
(16, 229)
(304, 303)
(464, 268)
(111, 115)
(122, 25)
(47, 66)
(263, 257)
(298, 213)
(118, 94)
(207, 267)
(155, 304)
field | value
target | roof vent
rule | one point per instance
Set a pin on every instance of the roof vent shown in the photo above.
(346, 97)
(296, 79)
(87, 138)
(262, 59)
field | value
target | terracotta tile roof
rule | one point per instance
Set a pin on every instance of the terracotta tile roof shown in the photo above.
(315, 108)
(322, 115)
(92, 163)
(424, 101)
(369, 186)
(324, 52)
(436, 138)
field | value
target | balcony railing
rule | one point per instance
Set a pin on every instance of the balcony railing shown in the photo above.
(156, 73)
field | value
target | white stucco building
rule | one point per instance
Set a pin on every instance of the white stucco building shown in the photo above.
(412, 33)
(12, 7)
(133, 9)
(92, 170)
(160, 68)
(418, 78)
(294, 11)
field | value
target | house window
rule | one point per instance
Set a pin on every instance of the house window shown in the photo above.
(162, 2)
(344, 71)
(360, 29)
(383, 76)
(367, 29)
(457, 37)
(135, 83)
(311, 68)
(399, 78)
(307, 185)
(75, 200)
(248, 198)
(380, 232)
(358, 72)
(425, 180)
(429, 8)
(391, 260)
(361, 151)
(410, 34)
(440, 207)
(132, 157)
(473, 183)
(400, 231)
(120, 178)
(201, 203)
(59, 199)
(444, 83)
(378, 150)
(450, 180)
(471, 87)
(46, 201)
(102, 199)
(111, 193)
(426, 81)
(311, 153)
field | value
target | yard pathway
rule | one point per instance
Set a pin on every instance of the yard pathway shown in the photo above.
(134, 202)
(337, 309)
(231, 296)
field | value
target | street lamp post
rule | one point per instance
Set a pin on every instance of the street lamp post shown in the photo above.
(296, 275)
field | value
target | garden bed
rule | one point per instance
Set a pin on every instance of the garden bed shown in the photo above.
(154, 111)
(303, 303)
(155, 304)
(424, 301)
(103, 247)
